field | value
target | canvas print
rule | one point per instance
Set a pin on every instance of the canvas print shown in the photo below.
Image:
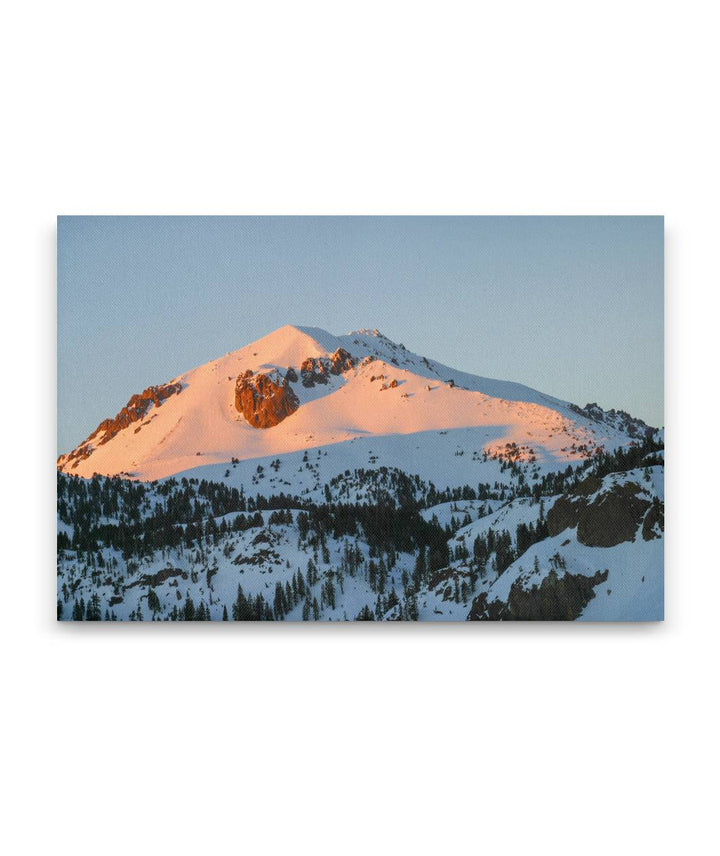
(485, 444)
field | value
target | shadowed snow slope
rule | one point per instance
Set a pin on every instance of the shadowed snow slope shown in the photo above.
(387, 391)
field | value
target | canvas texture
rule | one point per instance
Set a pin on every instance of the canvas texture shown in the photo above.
(496, 453)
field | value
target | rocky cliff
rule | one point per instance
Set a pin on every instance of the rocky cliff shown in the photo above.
(134, 411)
(604, 518)
(264, 399)
(318, 369)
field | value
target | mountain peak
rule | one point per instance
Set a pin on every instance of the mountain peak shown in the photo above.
(290, 344)
(308, 388)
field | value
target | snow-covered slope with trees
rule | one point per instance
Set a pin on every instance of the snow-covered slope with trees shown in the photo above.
(308, 476)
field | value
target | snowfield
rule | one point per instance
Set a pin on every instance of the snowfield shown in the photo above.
(201, 426)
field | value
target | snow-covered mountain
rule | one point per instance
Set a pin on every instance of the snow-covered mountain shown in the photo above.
(300, 388)
(308, 476)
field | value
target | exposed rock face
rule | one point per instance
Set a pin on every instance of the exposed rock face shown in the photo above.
(264, 399)
(654, 523)
(557, 598)
(318, 369)
(341, 361)
(134, 411)
(314, 370)
(612, 517)
(158, 578)
(616, 418)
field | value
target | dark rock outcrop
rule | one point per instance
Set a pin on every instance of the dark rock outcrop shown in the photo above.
(654, 520)
(158, 578)
(619, 419)
(341, 361)
(314, 370)
(264, 399)
(611, 518)
(557, 598)
(134, 411)
(318, 369)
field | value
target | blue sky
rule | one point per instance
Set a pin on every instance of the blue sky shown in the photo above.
(572, 306)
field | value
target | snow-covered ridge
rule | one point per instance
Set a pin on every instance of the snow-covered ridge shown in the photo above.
(179, 549)
(385, 392)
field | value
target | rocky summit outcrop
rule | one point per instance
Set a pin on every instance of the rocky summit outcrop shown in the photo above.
(134, 411)
(264, 399)
(341, 361)
(318, 369)
(606, 519)
(619, 419)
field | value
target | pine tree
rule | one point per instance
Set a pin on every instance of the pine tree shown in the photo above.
(243, 609)
(153, 601)
(94, 612)
(372, 574)
(382, 576)
(365, 614)
(420, 569)
(279, 602)
(330, 593)
(392, 600)
(379, 607)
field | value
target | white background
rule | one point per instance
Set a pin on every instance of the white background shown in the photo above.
(357, 739)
